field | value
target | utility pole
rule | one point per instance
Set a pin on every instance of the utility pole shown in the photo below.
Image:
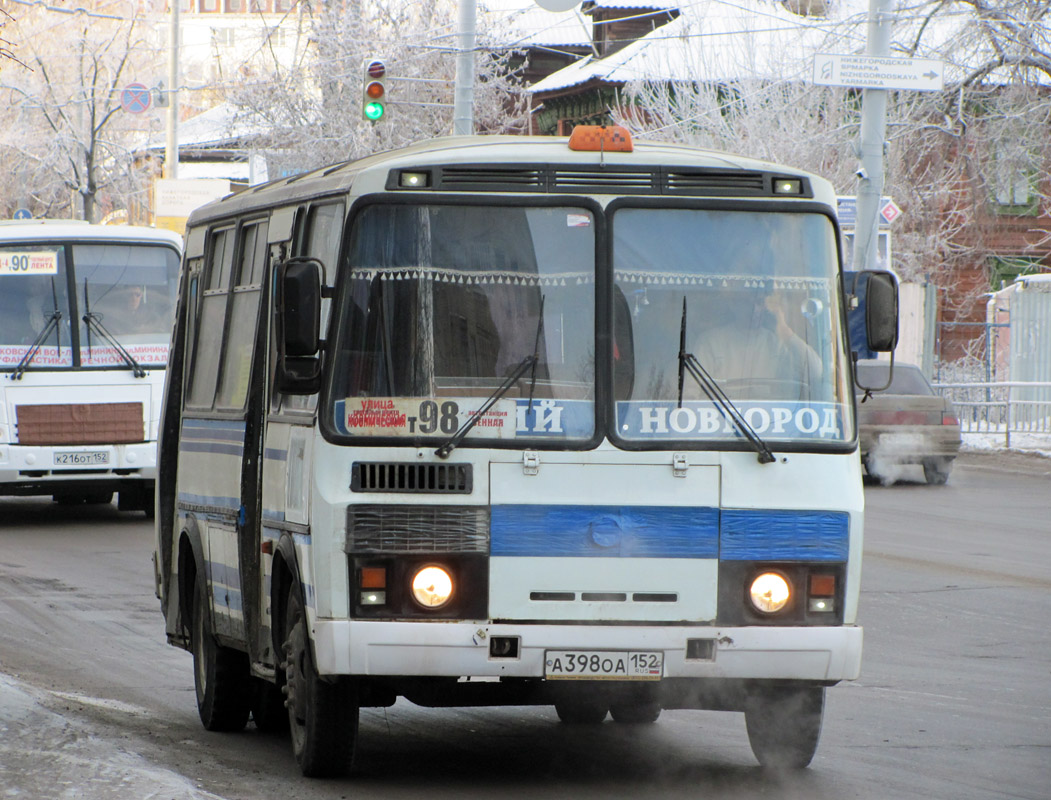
(463, 99)
(873, 136)
(171, 147)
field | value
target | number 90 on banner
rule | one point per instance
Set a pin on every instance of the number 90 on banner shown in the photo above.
(28, 263)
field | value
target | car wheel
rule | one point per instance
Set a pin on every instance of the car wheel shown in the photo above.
(936, 470)
(784, 726)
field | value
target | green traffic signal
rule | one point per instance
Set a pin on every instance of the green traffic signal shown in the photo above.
(374, 111)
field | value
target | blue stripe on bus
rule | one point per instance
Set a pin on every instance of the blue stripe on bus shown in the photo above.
(604, 531)
(219, 501)
(215, 428)
(225, 574)
(196, 446)
(773, 535)
(275, 455)
(224, 596)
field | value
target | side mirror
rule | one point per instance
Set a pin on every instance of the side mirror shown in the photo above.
(298, 311)
(881, 311)
(299, 306)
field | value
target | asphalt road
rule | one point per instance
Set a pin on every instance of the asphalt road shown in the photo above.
(954, 701)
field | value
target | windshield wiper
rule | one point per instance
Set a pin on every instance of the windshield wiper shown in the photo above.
(38, 342)
(688, 363)
(94, 323)
(52, 324)
(527, 362)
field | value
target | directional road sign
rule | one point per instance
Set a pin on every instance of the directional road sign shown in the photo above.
(847, 211)
(135, 98)
(878, 72)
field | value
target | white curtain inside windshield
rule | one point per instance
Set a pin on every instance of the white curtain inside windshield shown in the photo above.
(752, 297)
(444, 307)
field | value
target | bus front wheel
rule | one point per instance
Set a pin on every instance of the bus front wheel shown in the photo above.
(784, 726)
(220, 674)
(322, 715)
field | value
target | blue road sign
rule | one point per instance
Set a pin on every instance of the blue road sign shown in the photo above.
(22, 213)
(135, 98)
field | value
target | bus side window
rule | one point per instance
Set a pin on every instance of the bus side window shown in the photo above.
(244, 313)
(204, 369)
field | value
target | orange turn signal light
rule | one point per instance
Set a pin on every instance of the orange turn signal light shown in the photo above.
(373, 578)
(822, 585)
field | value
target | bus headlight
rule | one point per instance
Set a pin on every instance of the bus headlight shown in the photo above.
(432, 587)
(770, 592)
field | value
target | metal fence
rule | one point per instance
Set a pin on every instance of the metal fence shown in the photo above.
(1008, 407)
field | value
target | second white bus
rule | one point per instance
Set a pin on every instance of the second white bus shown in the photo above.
(85, 321)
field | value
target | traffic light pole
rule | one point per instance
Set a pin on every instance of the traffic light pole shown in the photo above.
(873, 136)
(463, 99)
(171, 147)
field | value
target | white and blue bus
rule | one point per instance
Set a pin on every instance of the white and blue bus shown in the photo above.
(508, 420)
(85, 321)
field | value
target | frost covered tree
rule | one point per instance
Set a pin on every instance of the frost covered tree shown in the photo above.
(66, 145)
(962, 163)
(311, 107)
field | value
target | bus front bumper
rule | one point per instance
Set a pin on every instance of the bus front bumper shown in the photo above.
(454, 649)
(28, 469)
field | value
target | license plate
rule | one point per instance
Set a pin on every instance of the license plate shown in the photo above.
(81, 458)
(631, 665)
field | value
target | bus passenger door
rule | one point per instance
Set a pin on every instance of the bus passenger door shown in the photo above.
(242, 389)
(288, 426)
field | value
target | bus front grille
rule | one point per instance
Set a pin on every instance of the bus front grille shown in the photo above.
(399, 528)
(80, 423)
(385, 476)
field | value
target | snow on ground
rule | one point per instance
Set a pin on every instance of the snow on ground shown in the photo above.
(1030, 443)
(44, 754)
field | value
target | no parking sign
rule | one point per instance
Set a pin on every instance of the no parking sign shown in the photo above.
(135, 98)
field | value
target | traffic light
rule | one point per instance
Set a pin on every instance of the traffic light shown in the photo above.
(374, 90)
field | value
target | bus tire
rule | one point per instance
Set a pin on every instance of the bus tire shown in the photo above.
(637, 713)
(581, 710)
(322, 715)
(268, 707)
(220, 674)
(784, 726)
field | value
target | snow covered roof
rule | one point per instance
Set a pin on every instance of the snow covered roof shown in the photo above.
(219, 125)
(590, 5)
(714, 40)
(729, 40)
(525, 24)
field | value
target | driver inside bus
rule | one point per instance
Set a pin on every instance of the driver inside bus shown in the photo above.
(747, 344)
(128, 310)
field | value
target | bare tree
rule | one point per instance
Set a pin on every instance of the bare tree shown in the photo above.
(312, 107)
(66, 143)
(963, 163)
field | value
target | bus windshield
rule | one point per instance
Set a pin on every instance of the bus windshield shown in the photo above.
(127, 290)
(753, 297)
(443, 305)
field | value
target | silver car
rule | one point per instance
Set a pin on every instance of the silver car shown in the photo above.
(906, 423)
